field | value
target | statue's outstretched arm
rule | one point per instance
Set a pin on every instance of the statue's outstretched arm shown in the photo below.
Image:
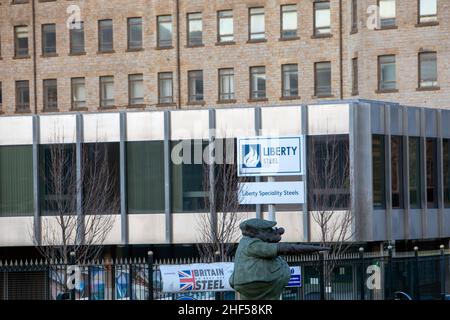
(293, 249)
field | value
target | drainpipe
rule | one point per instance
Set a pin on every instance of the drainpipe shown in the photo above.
(178, 54)
(341, 55)
(33, 10)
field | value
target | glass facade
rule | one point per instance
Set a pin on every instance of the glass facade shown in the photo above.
(432, 181)
(379, 172)
(188, 176)
(415, 181)
(328, 172)
(16, 181)
(397, 172)
(145, 177)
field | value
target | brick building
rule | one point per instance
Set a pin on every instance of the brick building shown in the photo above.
(153, 54)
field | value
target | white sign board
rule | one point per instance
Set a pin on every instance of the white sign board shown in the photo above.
(212, 277)
(267, 156)
(272, 193)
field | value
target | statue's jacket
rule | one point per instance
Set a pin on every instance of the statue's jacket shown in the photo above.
(258, 262)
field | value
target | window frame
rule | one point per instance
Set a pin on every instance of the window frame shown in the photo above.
(71, 35)
(252, 34)
(380, 88)
(18, 85)
(74, 104)
(282, 12)
(392, 25)
(160, 79)
(188, 29)
(46, 85)
(133, 101)
(436, 80)
(316, 30)
(44, 34)
(100, 40)
(256, 97)
(219, 35)
(129, 32)
(316, 83)
(102, 81)
(158, 32)
(194, 75)
(229, 96)
(355, 76)
(420, 16)
(17, 49)
(293, 93)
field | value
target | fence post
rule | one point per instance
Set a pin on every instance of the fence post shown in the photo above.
(390, 277)
(442, 271)
(322, 275)
(362, 274)
(416, 273)
(72, 261)
(218, 295)
(150, 275)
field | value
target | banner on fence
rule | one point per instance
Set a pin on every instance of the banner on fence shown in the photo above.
(212, 277)
(196, 277)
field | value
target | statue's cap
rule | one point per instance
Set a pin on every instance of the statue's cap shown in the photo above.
(257, 224)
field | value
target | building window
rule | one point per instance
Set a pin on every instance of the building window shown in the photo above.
(432, 182)
(16, 181)
(290, 80)
(427, 11)
(354, 15)
(165, 83)
(428, 70)
(188, 177)
(415, 181)
(257, 83)
(164, 31)
(195, 81)
(48, 39)
(289, 23)
(446, 167)
(107, 91)
(21, 41)
(50, 94)
(195, 29)
(105, 36)
(355, 84)
(397, 172)
(322, 18)
(78, 86)
(226, 84)
(387, 73)
(257, 24)
(145, 177)
(22, 95)
(77, 39)
(1, 95)
(134, 33)
(136, 89)
(225, 26)
(379, 178)
(322, 79)
(387, 13)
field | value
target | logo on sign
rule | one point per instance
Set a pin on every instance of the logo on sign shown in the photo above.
(187, 280)
(252, 156)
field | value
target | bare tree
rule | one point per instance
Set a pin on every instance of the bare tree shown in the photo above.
(329, 195)
(80, 205)
(219, 230)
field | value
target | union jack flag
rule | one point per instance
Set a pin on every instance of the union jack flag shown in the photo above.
(187, 280)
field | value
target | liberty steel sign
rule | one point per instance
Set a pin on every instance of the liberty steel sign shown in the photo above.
(267, 156)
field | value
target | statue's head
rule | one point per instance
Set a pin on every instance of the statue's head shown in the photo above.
(262, 229)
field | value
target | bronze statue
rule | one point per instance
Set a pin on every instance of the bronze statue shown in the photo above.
(259, 272)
